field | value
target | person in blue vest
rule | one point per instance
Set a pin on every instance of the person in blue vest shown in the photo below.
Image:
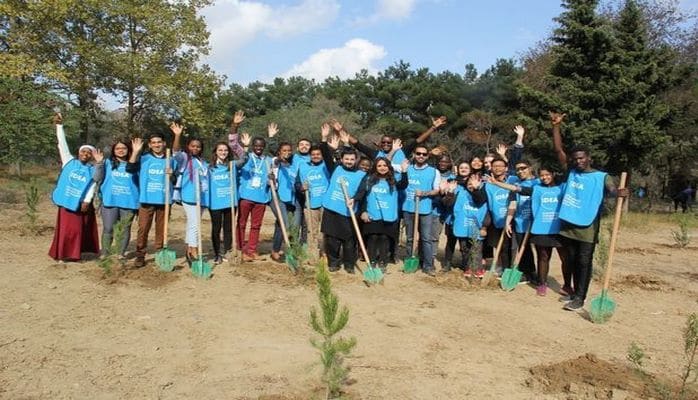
(255, 192)
(339, 236)
(222, 198)
(440, 213)
(462, 174)
(519, 219)
(285, 174)
(497, 203)
(300, 157)
(423, 183)
(580, 210)
(119, 192)
(314, 177)
(152, 170)
(469, 219)
(192, 172)
(377, 196)
(76, 224)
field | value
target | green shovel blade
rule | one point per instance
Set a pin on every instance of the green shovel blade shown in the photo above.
(602, 308)
(373, 275)
(510, 278)
(411, 265)
(292, 263)
(201, 269)
(165, 259)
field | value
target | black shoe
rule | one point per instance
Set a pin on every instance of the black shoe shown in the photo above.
(445, 270)
(574, 305)
(430, 272)
(334, 268)
(350, 270)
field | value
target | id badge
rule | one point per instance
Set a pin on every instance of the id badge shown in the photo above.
(256, 182)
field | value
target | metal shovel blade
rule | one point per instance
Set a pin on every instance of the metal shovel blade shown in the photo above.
(510, 278)
(165, 259)
(201, 269)
(292, 263)
(602, 308)
(411, 265)
(373, 275)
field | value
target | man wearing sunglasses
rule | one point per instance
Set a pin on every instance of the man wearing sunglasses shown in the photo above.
(519, 211)
(423, 184)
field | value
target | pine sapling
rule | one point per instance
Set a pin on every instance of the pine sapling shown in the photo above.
(106, 261)
(297, 249)
(690, 337)
(328, 322)
(682, 237)
(636, 356)
(32, 198)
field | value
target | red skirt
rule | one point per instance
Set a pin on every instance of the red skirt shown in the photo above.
(76, 233)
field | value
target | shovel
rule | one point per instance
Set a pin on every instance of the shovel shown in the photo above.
(603, 306)
(490, 274)
(372, 274)
(290, 260)
(308, 222)
(412, 262)
(512, 276)
(165, 258)
(199, 267)
(235, 257)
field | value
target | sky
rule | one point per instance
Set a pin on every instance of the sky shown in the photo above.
(262, 39)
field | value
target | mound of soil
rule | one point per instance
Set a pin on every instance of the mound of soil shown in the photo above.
(638, 250)
(456, 280)
(274, 272)
(644, 282)
(149, 276)
(588, 377)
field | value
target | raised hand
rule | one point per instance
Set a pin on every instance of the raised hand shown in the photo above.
(245, 139)
(272, 129)
(436, 151)
(57, 118)
(137, 145)
(501, 149)
(238, 117)
(333, 142)
(397, 144)
(404, 165)
(176, 128)
(452, 186)
(437, 123)
(98, 155)
(474, 181)
(556, 118)
(325, 131)
(344, 136)
(336, 125)
(519, 130)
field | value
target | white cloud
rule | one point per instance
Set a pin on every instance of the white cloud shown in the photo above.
(344, 62)
(389, 10)
(235, 23)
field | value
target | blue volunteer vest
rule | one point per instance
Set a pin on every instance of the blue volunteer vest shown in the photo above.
(334, 197)
(381, 202)
(522, 216)
(219, 186)
(189, 182)
(583, 196)
(73, 184)
(497, 202)
(398, 158)
(545, 206)
(286, 182)
(438, 209)
(120, 188)
(151, 180)
(467, 217)
(318, 178)
(253, 180)
(419, 179)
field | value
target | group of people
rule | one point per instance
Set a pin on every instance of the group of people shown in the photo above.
(487, 204)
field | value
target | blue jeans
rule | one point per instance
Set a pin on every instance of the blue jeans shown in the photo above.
(286, 207)
(426, 244)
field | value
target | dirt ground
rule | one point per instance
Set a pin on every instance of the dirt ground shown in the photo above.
(70, 333)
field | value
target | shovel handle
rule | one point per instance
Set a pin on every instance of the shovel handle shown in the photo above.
(308, 223)
(197, 184)
(167, 197)
(614, 232)
(233, 220)
(356, 225)
(497, 251)
(522, 246)
(275, 199)
(415, 230)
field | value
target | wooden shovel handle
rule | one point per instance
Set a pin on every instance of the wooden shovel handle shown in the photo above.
(167, 197)
(522, 246)
(355, 223)
(308, 223)
(614, 232)
(415, 229)
(275, 199)
(233, 220)
(497, 251)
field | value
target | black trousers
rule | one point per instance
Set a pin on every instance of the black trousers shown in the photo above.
(580, 256)
(378, 248)
(340, 251)
(221, 219)
(527, 264)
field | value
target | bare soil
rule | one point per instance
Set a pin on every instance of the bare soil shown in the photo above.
(69, 331)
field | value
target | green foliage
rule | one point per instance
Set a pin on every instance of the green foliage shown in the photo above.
(297, 249)
(328, 322)
(602, 248)
(682, 236)
(112, 255)
(690, 337)
(635, 355)
(32, 197)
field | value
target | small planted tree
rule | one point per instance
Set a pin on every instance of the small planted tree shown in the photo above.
(296, 249)
(328, 322)
(690, 338)
(32, 197)
(682, 237)
(107, 260)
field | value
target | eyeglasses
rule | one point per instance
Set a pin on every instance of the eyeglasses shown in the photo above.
(420, 154)
(521, 168)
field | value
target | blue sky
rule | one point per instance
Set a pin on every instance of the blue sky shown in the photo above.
(262, 39)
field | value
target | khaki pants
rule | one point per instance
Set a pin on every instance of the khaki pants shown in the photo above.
(145, 220)
(315, 245)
